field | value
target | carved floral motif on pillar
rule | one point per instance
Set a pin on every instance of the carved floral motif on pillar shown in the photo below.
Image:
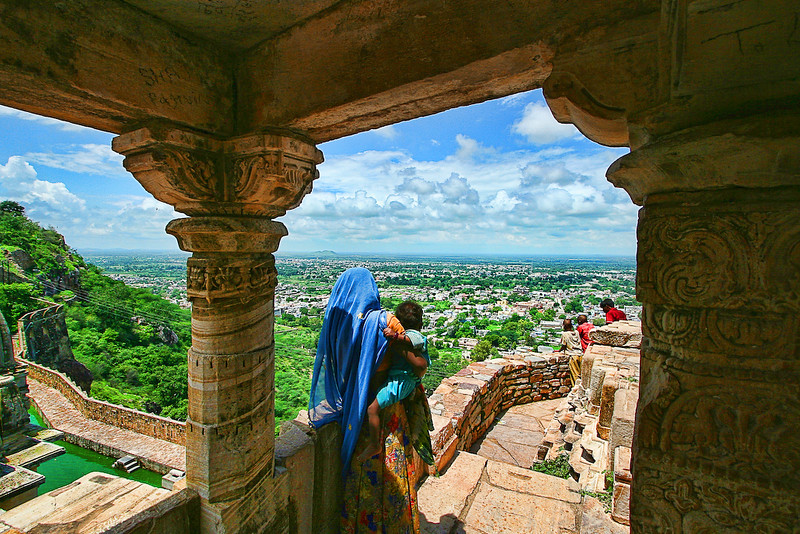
(716, 438)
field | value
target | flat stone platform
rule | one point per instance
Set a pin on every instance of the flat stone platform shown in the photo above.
(107, 439)
(481, 496)
(101, 503)
(515, 436)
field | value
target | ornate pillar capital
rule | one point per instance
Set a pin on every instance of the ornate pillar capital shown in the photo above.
(749, 152)
(256, 175)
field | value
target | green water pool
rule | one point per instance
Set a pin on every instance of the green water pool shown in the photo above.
(78, 461)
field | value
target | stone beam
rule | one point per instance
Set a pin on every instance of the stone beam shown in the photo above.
(362, 65)
(104, 64)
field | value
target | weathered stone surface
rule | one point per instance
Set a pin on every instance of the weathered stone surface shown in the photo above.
(46, 342)
(594, 520)
(622, 464)
(618, 334)
(624, 418)
(154, 454)
(705, 94)
(98, 502)
(500, 511)
(530, 482)
(442, 499)
(621, 501)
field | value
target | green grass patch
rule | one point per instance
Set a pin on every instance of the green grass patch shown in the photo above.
(557, 467)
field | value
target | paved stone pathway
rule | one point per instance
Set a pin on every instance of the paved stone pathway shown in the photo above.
(65, 417)
(481, 496)
(516, 435)
(491, 489)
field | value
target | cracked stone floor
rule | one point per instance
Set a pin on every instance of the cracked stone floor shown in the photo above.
(516, 435)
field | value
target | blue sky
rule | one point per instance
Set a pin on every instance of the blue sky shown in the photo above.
(501, 177)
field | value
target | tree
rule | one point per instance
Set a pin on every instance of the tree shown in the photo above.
(14, 208)
(15, 301)
(483, 350)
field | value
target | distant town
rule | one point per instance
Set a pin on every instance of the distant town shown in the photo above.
(518, 303)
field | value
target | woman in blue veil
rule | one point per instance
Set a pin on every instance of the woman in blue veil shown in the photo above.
(379, 493)
(351, 345)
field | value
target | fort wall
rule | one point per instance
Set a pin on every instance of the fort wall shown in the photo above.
(148, 424)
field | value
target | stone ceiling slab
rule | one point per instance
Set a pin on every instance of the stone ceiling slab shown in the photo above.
(235, 24)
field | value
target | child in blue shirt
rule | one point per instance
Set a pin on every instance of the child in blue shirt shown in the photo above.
(409, 361)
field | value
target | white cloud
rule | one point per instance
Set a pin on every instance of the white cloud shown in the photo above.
(24, 115)
(514, 100)
(548, 200)
(540, 128)
(85, 159)
(387, 132)
(19, 180)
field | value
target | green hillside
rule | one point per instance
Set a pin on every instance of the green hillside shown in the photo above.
(114, 329)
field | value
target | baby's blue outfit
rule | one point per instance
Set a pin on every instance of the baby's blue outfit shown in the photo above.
(402, 380)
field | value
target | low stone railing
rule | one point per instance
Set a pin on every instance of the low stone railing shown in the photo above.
(144, 423)
(465, 405)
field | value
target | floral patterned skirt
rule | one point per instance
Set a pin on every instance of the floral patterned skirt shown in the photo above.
(379, 495)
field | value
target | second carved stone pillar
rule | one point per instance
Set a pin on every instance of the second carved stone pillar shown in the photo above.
(716, 447)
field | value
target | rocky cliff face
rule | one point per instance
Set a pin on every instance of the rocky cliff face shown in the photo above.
(46, 341)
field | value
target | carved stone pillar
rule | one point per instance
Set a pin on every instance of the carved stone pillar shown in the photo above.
(231, 189)
(716, 446)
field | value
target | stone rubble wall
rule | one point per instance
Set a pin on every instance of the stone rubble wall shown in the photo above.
(151, 425)
(594, 425)
(465, 405)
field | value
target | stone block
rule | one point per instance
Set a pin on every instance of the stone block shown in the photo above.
(618, 334)
(294, 450)
(525, 481)
(621, 504)
(607, 394)
(624, 418)
(498, 510)
(442, 499)
(594, 519)
(98, 500)
(622, 465)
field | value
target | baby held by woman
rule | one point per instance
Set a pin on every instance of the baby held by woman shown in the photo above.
(401, 370)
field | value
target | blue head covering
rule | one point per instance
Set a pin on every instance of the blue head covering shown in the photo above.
(351, 345)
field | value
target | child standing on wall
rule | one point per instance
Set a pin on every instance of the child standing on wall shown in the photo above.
(408, 360)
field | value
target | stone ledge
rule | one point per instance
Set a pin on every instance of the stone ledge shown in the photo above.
(98, 502)
(618, 334)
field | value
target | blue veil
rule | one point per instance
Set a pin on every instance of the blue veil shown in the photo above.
(351, 345)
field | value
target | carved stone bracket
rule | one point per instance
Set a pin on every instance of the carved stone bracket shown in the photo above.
(262, 174)
(571, 102)
(752, 152)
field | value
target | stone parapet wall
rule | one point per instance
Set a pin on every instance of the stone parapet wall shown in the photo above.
(148, 424)
(465, 405)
